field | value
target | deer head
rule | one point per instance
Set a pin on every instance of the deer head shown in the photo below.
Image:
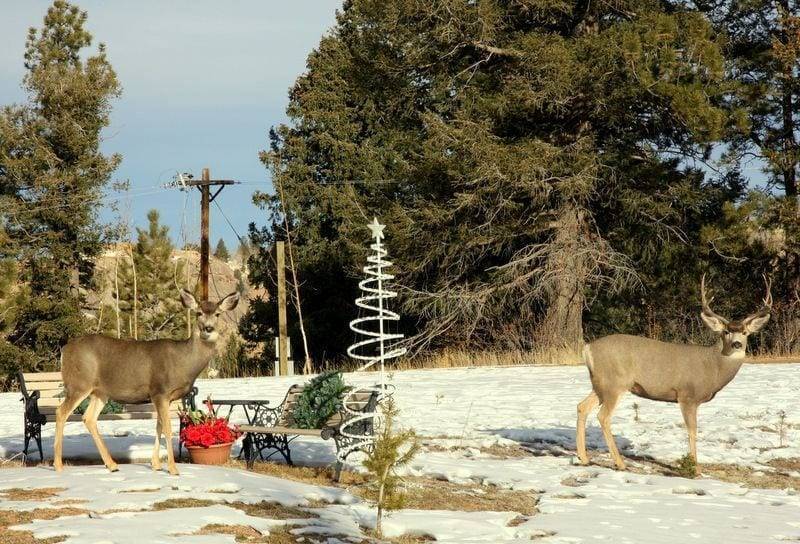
(733, 334)
(208, 313)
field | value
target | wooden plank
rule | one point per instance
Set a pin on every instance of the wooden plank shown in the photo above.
(52, 394)
(280, 430)
(41, 376)
(45, 386)
(334, 420)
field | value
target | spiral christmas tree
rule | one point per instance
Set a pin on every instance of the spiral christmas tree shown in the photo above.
(378, 344)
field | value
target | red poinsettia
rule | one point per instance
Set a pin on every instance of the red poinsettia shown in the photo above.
(207, 430)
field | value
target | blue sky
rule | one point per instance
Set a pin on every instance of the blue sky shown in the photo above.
(203, 81)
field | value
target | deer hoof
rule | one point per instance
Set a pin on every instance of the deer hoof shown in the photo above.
(174, 471)
(156, 466)
(58, 467)
(113, 467)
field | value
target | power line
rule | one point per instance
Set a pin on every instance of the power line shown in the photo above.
(241, 240)
(81, 202)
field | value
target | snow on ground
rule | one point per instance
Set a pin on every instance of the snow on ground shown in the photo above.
(472, 409)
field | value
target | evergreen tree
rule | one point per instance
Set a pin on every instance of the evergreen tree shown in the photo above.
(511, 148)
(221, 251)
(763, 62)
(52, 175)
(159, 310)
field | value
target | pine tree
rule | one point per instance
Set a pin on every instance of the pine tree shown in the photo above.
(392, 449)
(52, 174)
(160, 313)
(513, 148)
(221, 251)
(763, 62)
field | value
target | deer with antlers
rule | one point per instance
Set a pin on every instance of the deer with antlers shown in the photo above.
(137, 371)
(686, 374)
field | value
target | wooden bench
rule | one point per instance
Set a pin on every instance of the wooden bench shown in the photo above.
(42, 393)
(275, 428)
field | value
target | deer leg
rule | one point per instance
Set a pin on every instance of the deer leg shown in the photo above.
(162, 407)
(155, 461)
(64, 410)
(90, 420)
(689, 411)
(606, 409)
(584, 409)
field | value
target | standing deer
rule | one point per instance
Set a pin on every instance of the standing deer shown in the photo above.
(686, 374)
(134, 372)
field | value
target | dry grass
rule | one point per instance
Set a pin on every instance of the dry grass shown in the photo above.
(309, 475)
(9, 518)
(427, 494)
(38, 494)
(779, 478)
(242, 533)
(272, 510)
(774, 360)
(182, 503)
(453, 358)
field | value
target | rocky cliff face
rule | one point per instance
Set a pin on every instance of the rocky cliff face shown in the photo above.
(224, 278)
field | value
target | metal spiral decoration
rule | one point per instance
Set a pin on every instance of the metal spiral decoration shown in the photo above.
(373, 349)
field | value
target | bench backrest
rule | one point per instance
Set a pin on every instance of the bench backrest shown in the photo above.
(361, 400)
(51, 394)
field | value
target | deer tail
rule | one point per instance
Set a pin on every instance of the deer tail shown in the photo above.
(588, 360)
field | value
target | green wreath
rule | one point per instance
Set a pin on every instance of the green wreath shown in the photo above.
(320, 399)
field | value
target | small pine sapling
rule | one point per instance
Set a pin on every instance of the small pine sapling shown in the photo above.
(781, 428)
(392, 449)
(687, 467)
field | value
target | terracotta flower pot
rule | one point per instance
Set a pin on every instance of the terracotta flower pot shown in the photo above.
(217, 454)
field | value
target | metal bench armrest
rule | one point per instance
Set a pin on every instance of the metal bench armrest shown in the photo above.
(266, 416)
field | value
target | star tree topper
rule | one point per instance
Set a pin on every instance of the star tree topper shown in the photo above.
(376, 228)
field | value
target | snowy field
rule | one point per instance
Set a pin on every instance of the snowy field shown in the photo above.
(466, 417)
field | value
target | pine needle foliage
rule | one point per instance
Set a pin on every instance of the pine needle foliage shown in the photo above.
(529, 158)
(52, 176)
(392, 449)
(320, 399)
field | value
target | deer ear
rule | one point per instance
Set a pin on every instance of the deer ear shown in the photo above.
(229, 303)
(188, 300)
(754, 323)
(713, 322)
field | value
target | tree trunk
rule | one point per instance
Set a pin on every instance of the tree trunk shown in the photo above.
(562, 326)
(307, 358)
(116, 294)
(135, 334)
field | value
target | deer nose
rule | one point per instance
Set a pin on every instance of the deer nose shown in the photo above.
(211, 329)
(737, 345)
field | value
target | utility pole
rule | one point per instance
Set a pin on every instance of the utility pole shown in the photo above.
(283, 340)
(206, 198)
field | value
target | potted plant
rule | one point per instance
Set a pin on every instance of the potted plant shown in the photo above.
(208, 438)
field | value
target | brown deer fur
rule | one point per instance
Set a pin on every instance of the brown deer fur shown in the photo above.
(134, 371)
(685, 374)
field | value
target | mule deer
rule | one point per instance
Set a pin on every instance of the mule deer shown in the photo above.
(135, 371)
(686, 374)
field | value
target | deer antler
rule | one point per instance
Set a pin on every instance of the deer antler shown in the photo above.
(766, 303)
(706, 308)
